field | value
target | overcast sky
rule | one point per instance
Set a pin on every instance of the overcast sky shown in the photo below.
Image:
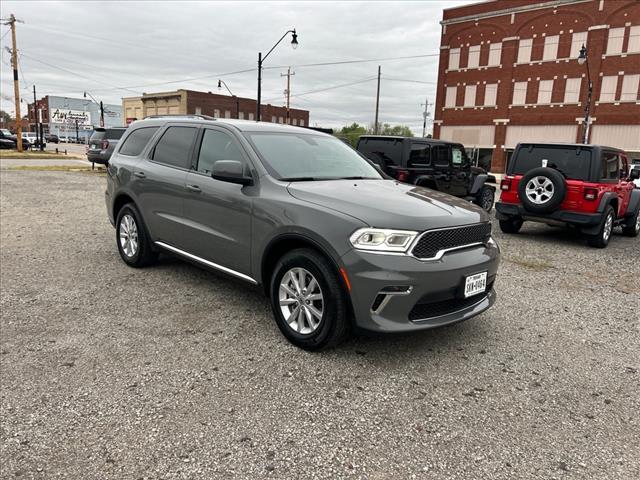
(115, 49)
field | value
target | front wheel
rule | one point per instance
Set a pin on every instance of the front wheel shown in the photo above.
(308, 300)
(511, 225)
(631, 228)
(601, 239)
(485, 198)
(131, 236)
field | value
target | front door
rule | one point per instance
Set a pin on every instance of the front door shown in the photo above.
(460, 171)
(217, 213)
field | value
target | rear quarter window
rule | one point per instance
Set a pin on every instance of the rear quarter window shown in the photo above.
(382, 152)
(114, 134)
(573, 162)
(136, 141)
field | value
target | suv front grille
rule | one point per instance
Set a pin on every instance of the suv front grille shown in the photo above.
(431, 242)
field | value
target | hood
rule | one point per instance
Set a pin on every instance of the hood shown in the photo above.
(389, 204)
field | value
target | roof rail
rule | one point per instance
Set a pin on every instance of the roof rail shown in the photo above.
(193, 115)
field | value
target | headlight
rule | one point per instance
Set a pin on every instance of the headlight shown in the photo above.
(382, 240)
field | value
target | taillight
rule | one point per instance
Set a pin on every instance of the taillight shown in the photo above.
(402, 176)
(104, 144)
(505, 184)
(590, 193)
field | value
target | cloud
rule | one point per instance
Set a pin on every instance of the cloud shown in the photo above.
(116, 49)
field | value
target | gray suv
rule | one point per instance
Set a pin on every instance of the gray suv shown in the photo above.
(333, 242)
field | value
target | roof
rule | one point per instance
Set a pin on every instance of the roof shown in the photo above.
(421, 139)
(571, 145)
(241, 125)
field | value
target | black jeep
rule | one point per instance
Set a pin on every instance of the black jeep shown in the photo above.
(434, 164)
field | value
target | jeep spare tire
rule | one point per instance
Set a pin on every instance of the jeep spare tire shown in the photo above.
(542, 190)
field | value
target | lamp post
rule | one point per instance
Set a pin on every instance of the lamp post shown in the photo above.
(582, 60)
(222, 82)
(294, 45)
(101, 107)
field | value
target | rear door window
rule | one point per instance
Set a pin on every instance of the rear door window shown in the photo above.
(573, 162)
(174, 148)
(137, 140)
(216, 146)
(441, 156)
(420, 155)
(610, 166)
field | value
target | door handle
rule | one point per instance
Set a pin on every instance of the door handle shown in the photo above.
(139, 174)
(193, 188)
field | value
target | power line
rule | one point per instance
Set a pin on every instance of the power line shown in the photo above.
(333, 87)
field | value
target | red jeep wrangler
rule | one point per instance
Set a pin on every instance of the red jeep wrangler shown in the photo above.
(588, 187)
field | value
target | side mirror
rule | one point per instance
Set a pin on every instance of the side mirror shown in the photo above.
(230, 171)
(634, 174)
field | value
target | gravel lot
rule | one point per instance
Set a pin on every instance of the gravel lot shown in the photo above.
(173, 372)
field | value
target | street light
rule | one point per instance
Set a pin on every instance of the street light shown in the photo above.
(294, 45)
(583, 59)
(101, 107)
(222, 82)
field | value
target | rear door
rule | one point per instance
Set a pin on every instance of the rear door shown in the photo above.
(217, 213)
(159, 182)
(460, 171)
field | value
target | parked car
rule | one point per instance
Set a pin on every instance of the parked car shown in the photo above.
(435, 164)
(102, 143)
(52, 138)
(7, 139)
(332, 242)
(31, 140)
(589, 187)
(63, 139)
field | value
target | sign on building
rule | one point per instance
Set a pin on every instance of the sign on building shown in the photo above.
(71, 116)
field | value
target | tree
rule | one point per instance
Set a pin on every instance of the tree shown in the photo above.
(5, 117)
(352, 132)
(396, 130)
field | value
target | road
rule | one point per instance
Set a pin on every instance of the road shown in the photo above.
(172, 372)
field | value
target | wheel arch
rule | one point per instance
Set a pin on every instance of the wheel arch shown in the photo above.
(120, 201)
(609, 198)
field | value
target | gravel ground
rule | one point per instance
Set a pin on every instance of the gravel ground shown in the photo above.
(173, 372)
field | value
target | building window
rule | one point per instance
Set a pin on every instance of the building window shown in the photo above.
(251, 117)
(470, 96)
(241, 115)
(302, 123)
(295, 121)
(519, 93)
(216, 113)
(490, 94)
(474, 56)
(495, 51)
(524, 50)
(577, 40)
(634, 40)
(274, 119)
(608, 88)
(450, 97)
(454, 59)
(198, 110)
(630, 88)
(545, 88)
(550, 47)
(280, 120)
(614, 43)
(227, 114)
(572, 90)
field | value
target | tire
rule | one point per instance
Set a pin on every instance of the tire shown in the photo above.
(631, 228)
(601, 239)
(542, 190)
(307, 331)
(132, 238)
(511, 225)
(486, 198)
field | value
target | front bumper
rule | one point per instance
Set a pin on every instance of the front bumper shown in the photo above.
(505, 211)
(436, 288)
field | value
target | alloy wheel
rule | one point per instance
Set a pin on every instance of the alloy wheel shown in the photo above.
(608, 227)
(487, 200)
(128, 235)
(301, 300)
(539, 190)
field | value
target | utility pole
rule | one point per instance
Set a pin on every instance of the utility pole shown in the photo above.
(375, 125)
(101, 114)
(425, 115)
(287, 92)
(16, 85)
(35, 115)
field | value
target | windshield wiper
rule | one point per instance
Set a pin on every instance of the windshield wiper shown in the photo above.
(299, 179)
(358, 178)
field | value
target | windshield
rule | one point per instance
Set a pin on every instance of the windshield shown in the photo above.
(5, 131)
(574, 163)
(291, 156)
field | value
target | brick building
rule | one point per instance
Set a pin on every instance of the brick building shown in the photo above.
(206, 103)
(509, 73)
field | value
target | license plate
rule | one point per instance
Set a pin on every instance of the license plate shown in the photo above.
(475, 284)
(92, 147)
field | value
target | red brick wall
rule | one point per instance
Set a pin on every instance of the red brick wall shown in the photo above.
(577, 16)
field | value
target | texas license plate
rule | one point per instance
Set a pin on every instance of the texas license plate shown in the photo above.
(475, 284)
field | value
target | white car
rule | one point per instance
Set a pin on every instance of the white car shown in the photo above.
(63, 139)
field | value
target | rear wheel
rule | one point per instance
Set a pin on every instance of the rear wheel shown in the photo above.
(601, 239)
(131, 236)
(511, 225)
(308, 301)
(485, 198)
(632, 226)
